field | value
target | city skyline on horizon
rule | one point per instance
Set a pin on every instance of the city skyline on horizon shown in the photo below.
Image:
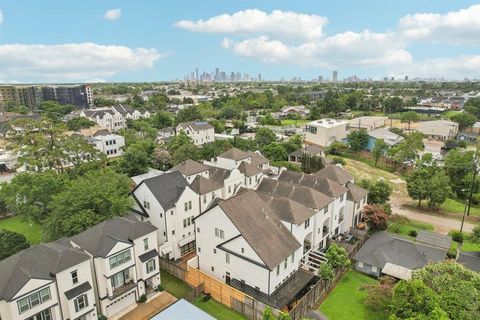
(118, 41)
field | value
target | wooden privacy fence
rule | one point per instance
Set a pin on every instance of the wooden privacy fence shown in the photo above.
(173, 268)
(195, 292)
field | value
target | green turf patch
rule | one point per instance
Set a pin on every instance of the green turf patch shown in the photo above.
(217, 310)
(30, 230)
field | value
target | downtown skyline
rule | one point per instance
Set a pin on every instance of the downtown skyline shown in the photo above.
(91, 41)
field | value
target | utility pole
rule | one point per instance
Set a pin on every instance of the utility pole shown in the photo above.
(466, 209)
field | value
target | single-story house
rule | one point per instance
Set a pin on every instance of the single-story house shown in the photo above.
(368, 123)
(468, 136)
(439, 129)
(384, 253)
(386, 135)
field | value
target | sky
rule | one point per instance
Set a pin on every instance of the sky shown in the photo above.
(146, 40)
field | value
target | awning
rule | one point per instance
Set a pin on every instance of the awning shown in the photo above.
(398, 272)
(166, 250)
(72, 293)
(148, 255)
(186, 240)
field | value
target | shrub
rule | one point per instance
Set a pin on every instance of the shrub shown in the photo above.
(339, 160)
(452, 253)
(337, 256)
(101, 317)
(456, 236)
(379, 295)
(413, 233)
(375, 217)
(326, 271)
(142, 298)
(160, 288)
(397, 218)
(395, 227)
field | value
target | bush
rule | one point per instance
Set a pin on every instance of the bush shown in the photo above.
(375, 217)
(160, 288)
(413, 233)
(101, 317)
(338, 160)
(456, 236)
(395, 227)
(452, 253)
(397, 218)
(337, 256)
(387, 208)
(142, 298)
(326, 271)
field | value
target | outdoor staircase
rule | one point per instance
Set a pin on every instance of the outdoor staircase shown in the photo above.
(312, 260)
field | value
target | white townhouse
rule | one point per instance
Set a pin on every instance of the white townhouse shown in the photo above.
(113, 118)
(109, 143)
(356, 195)
(168, 202)
(230, 180)
(51, 281)
(124, 259)
(200, 132)
(242, 242)
(319, 226)
(330, 188)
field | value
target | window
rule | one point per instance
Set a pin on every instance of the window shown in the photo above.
(120, 259)
(171, 213)
(307, 223)
(80, 303)
(205, 198)
(250, 180)
(243, 250)
(229, 189)
(285, 264)
(227, 257)
(44, 315)
(74, 276)
(199, 250)
(145, 244)
(185, 206)
(146, 204)
(189, 221)
(212, 268)
(374, 269)
(360, 264)
(293, 257)
(173, 232)
(326, 209)
(150, 265)
(33, 300)
(189, 205)
(278, 270)
(214, 251)
(219, 233)
(184, 223)
(198, 229)
(121, 278)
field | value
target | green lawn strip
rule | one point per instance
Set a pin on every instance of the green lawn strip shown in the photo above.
(173, 285)
(30, 230)
(347, 300)
(456, 206)
(217, 310)
(404, 229)
(289, 122)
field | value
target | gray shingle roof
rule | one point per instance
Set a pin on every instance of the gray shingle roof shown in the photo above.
(323, 185)
(190, 167)
(166, 188)
(148, 255)
(234, 154)
(355, 193)
(39, 262)
(101, 238)
(301, 194)
(249, 169)
(260, 227)
(382, 248)
(287, 210)
(202, 185)
(195, 125)
(218, 175)
(257, 159)
(335, 173)
(74, 292)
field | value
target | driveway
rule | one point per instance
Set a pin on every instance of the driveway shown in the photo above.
(147, 310)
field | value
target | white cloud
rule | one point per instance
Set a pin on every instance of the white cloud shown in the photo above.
(1, 17)
(113, 14)
(72, 62)
(456, 68)
(281, 24)
(458, 27)
(362, 49)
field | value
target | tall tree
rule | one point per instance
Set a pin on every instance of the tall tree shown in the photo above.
(408, 148)
(11, 243)
(379, 150)
(137, 158)
(264, 137)
(464, 120)
(393, 104)
(358, 140)
(409, 117)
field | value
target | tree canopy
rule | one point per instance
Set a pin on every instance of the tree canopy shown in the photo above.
(11, 243)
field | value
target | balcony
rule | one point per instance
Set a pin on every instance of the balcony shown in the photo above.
(340, 219)
(123, 288)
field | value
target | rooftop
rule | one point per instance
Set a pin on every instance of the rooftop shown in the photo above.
(190, 167)
(328, 123)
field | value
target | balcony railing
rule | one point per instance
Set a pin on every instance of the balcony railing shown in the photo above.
(340, 220)
(123, 288)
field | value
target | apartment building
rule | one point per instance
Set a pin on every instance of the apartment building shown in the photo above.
(324, 132)
(51, 281)
(200, 132)
(29, 96)
(123, 258)
(109, 143)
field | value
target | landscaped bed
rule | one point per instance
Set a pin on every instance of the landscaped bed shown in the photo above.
(30, 230)
(347, 300)
(217, 310)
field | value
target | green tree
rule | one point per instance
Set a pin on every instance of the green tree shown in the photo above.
(473, 106)
(264, 137)
(464, 120)
(337, 256)
(78, 123)
(393, 104)
(29, 194)
(326, 272)
(379, 192)
(86, 201)
(311, 163)
(55, 111)
(275, 152)
(458, 166)
(11, 243)
(379, 150)
(293, 143)
(439, 189)
(358, 140)
(162, 119)
(409, 117)
(408, 148)
(188, 114)
(137, 158)
(375, 217)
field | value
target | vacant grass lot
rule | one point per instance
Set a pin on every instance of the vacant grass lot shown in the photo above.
(404, 229)
(347, 300)
(217, 310)
(30, 230)
(455, 206)
(173, 285)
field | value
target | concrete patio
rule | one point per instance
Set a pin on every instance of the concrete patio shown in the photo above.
(145, 311)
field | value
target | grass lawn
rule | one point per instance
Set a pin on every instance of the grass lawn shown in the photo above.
(30, 230)
(470, 246)
(217, 310)
(455, 206)
(405, 228)
(173, 285)
(290, 122)
(346, 301)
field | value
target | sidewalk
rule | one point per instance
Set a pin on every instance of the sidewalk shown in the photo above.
(147, 310)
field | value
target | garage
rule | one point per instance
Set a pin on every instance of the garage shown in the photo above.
(121, 303)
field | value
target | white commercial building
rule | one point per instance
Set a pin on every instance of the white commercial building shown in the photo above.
(324, 132)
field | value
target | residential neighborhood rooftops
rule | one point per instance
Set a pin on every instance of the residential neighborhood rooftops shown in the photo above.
(18, 269)
(335, 173)
(386, 135)
(287, 210)
(190, 167)
(257, 159)
(167, 188)
(442, 128)
(234, 154)
(260, 227)
(355, 193)
(195, 125)
(101, 238)
(324, 185)
(202, 185)
(249, 169)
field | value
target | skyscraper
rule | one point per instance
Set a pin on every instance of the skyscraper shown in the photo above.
(334, 76)
(259, 77)
(196, 74)
(217, 71)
